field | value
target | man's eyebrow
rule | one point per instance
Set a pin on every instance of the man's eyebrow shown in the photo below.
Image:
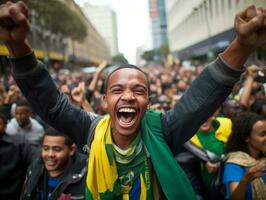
(141, 85)
(116, 85)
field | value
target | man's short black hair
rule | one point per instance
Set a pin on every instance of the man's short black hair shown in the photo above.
(124, 67)
(50, 131)
(23, 102)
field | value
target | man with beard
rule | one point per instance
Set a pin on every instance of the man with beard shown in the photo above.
(131, 154)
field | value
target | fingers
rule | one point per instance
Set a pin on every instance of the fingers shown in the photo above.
(102, 65)
(82, 86)
(256, 171)
(24, 9)
(250, 20)
(18, 16)
(5, 20)
(249, 13)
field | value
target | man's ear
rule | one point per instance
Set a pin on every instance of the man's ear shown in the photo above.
(73, 149)
(104, 102)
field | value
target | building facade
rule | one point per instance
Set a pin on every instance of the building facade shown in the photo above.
(158, 23)
(55, 49)
(104, 20)
(202, 28)
(93, 48)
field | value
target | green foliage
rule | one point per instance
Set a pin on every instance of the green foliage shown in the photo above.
(164, 50)
(119, 59)
(58, 18)
(148, 55)
(160, 53)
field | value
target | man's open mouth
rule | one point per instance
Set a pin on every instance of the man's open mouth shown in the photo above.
(127, 116)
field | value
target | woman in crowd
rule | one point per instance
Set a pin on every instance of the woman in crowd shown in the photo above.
(244, 172)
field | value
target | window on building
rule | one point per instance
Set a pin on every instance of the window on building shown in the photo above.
(210, 8)
(222, 6)
(229, 4)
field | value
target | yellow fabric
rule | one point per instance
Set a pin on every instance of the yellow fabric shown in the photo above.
(143, 193)
(101, 174)
(224, 130)
(245, 160)
(195, 141)
(156, 193)
(222, 133)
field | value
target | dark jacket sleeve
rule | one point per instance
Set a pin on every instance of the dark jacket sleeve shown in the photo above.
(207, 92)
(52, 106)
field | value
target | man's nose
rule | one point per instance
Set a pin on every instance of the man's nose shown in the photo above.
(128, 95)
(50, 153)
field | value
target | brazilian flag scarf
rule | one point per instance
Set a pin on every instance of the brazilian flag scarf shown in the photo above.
(102, 178)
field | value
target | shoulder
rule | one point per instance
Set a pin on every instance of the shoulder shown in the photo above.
(11, 127)
(233, 172)
(36, 124)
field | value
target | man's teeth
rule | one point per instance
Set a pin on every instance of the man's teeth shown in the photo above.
(128, 110)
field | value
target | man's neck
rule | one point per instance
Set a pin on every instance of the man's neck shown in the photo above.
(123, 141)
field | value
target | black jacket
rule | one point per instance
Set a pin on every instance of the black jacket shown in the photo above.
(71, 181)
(15, 155)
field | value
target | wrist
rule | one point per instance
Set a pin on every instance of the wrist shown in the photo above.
(18, 49)
(250, 78)
(245, 180)
(246, 48)
(237, 53)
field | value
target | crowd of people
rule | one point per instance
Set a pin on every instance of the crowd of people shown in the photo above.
(161, 132)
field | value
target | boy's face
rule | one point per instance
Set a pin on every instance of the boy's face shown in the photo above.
(22, 115)
(56, 154)
(126, 100)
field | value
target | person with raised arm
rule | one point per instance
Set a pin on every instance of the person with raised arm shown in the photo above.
(131, 155)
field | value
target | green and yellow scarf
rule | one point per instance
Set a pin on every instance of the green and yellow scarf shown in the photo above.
(103, 179)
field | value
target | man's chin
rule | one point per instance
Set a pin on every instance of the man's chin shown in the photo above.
(126, 131)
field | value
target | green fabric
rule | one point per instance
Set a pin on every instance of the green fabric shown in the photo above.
(127, 171)
(171, 177)
(131, 164)
(126, 156)
(212, 144)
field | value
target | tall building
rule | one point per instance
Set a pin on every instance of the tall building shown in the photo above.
(199, 29)
(158, 23)
(93, 48)
(104, 20)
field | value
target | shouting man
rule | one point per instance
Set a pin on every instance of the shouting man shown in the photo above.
(131, 154)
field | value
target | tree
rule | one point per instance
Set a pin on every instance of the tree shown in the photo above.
(119, 59)
(156, 54)
(148, 55)
(164, 50)
(58, 18)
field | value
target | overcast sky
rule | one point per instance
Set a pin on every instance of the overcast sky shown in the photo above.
(133, 23)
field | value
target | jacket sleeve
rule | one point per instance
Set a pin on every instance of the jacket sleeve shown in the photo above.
(52, 106)
(207, 92)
